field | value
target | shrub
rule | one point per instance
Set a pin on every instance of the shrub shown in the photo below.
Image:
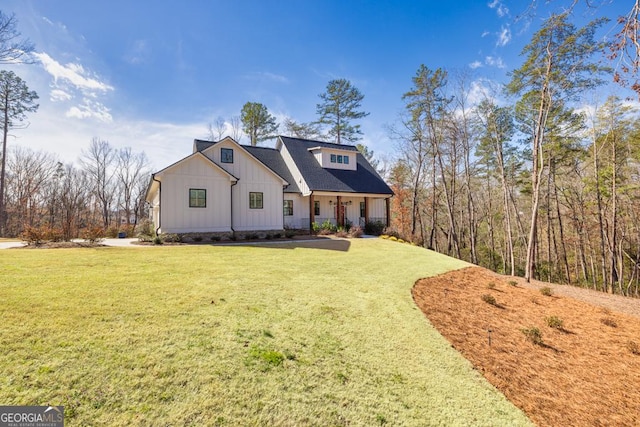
(533, 334)
(268, 236)
(374, 228)
(289, 234)
(489, 299)
(277, 235)
(158, 240)
(93, 234)
(315, 227)
(112, 232)
(171, 238)
(546, 291)
(513, 283)
(633, 347)
(491, 285)
(356, 231)
(34, 235)
(215, 238)
(328, 226)
(342, 233)
(554, 322)
(197, 238)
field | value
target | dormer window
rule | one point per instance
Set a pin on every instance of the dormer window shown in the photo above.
(334, 157)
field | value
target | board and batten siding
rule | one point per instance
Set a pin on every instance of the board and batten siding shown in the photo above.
(301, 215)
(197, 173)
(253, 176)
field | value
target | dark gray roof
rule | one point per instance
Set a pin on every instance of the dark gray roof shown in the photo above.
(200, 145)
(364, 179)
(272, 159)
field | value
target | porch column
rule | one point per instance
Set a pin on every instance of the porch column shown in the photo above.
(339, 219)
(388, 206)
(366, 211)
(312, 211)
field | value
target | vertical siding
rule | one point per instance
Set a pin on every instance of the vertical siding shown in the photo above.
(252, 176)
(300, 218)
(295, 172)
(177, 216)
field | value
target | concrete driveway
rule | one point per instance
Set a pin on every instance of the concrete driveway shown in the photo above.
(107, 242)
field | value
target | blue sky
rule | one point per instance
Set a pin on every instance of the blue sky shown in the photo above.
(152, 74)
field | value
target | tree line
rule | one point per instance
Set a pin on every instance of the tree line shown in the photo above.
(533, 186)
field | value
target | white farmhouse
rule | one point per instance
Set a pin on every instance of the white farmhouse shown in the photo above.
(225, 187)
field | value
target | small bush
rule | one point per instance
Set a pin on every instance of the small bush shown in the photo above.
(93, 234)
(277, 235)
(342, 233)
(393, 238)
(533, 334)
(374, 228)
(356, 231)
(513, 283)
(633, 347)
(489, 299)
(197, 238)
(491, 285)
(171, 238)
(554, 322)
(609, 322)
(251, 236)
(546, 291)
(112, 232)
(215, 238)
(268, 236)
(315, 227)
(289, 234)
(158, 240)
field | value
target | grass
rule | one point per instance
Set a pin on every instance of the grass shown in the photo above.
(239, 335)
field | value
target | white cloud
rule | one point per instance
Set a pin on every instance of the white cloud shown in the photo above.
(504, 36)
(500, 8)
(485, 34)
(90, 109)
(59, 95)
(74, 74)
(475, 64)
(494, 61)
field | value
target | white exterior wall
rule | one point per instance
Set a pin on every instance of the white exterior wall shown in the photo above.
(300, 217)
(177, 216)
(295, 172)
(252, 176)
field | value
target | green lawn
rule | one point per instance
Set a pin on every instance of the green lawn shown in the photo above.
(308, 334)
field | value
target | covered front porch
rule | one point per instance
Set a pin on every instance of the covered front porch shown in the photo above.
(341, 209)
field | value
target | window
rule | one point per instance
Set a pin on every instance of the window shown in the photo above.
(333, 158)
(226, 155)
(288, 207)
(316, 208)
(339, 159)
(346, 160)
(197, 198)
(255, 200)
(362, 209)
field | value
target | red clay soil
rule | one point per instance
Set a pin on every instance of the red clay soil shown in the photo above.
(584, 374)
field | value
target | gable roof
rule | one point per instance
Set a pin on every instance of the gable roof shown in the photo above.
(364, 179)
(272, 159)
(271, 163)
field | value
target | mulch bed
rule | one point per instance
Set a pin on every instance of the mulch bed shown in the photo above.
(585, 373)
